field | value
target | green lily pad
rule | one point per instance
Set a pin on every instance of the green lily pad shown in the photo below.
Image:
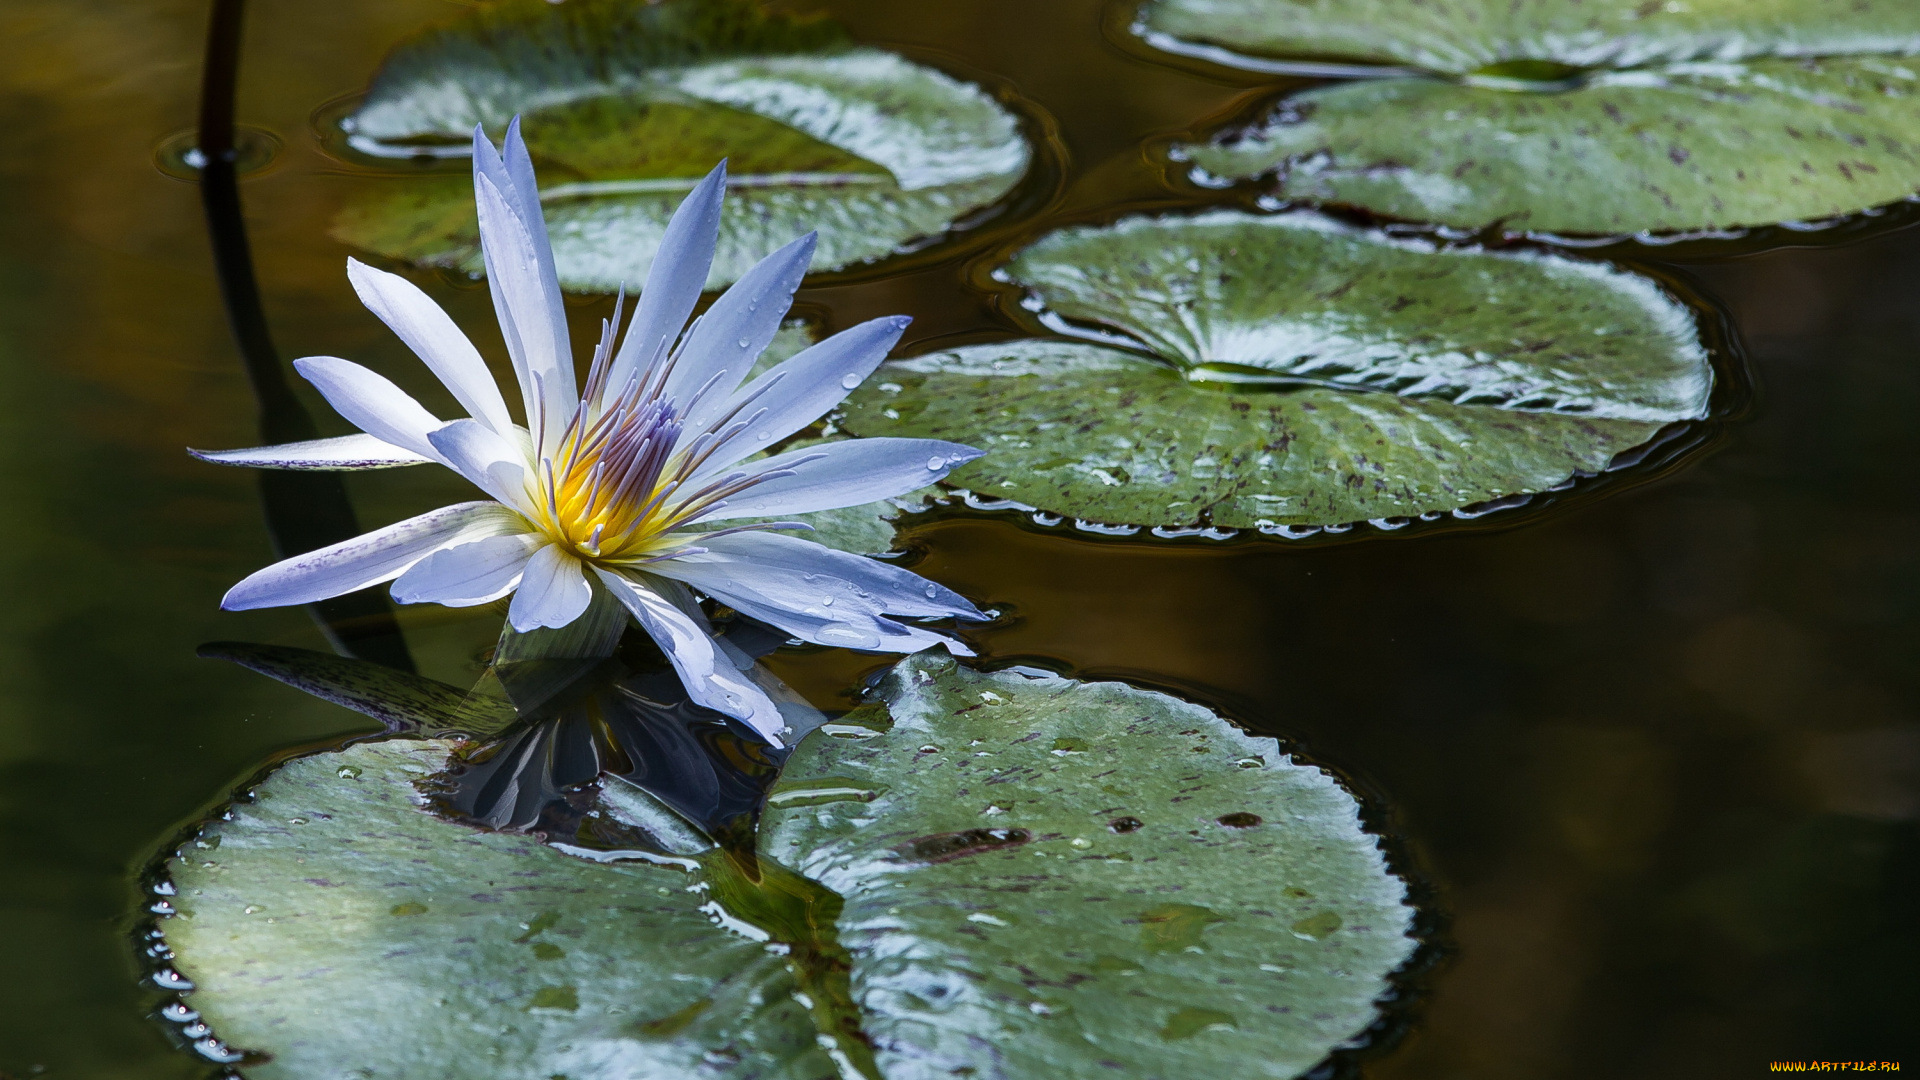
(331, 923)
(1037, 827)
(1046, 878)
(1462, 36)
(1306, 374)
(626, 105)
(1690, 147)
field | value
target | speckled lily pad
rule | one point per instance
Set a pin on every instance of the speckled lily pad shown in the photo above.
(627, 105)
(1049, 878)
(1298, 373)
(1004, 874)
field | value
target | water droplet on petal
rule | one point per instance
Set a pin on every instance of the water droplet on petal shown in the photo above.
(850, 380)
(744, 342)
(764, 436)
(934, 463)
(826, 601)
(932, 592)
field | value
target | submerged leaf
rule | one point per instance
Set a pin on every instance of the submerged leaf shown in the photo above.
(400, 700)
(1126, 906)
(1311, 374)
(626, 105)
(1686, 147)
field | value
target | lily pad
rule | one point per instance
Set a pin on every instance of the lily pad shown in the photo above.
(1462, 36)
(331, 923)
(1048, 878)
(1303, 373)
(1075, 902)
(627, 105)
(1688, 147)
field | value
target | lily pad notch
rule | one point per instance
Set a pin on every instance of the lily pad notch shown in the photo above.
(626, 105)
(1571, 120)
(1298, 376)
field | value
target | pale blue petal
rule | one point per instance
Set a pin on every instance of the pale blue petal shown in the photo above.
(733, 333)
(371, 403)
(786, 570)
(553, 591)
(801, 389)
(346, 453)
(532, 318)
(433, 337)
(710, 677)
(378, 556)
(837, 474)
(494, 463)
(675, 281)
(477, 572)
(838, 625)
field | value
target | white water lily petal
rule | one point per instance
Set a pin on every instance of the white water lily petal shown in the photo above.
(372, 403)
(494, 463)
(675, 280)
(346, 453)
(784, 569)
(730, 335)
(427, 329)
(837, 474)
(370, 559)
(477, 572)
(553, 591)
(711, 678)
(526, 312)
(836, 625)
(800, 389)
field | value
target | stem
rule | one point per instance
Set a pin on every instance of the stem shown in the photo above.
(304, 510)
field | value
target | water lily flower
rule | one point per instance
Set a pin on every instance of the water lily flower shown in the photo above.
(634, 481)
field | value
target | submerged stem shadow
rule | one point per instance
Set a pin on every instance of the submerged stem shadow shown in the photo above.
(304, 510)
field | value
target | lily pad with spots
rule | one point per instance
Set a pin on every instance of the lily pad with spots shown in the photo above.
(1288, 371)
(1683, 148)
(1072, 903)
(1561, 117)
(626, 105)
(1459, 37)
(1050, 878)
(332, 924)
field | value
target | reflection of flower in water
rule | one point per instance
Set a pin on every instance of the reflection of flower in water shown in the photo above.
(622, 482)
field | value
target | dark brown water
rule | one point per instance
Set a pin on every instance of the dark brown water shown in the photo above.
(1654, 753)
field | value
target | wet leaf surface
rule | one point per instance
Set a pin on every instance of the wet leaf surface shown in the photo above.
(1076, 906)
(1462, 36)
(627, 105)
(1679, 148)
(1307, 374)
(340, 928)
(999, 924)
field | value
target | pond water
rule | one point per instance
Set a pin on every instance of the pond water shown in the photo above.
(1650, 756)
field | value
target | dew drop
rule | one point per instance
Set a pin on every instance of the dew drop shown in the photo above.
(764, 436)
(745, 343)
(850, 380)
(349, 772)
(1081, 842)
(931, 592)
(934, 463)
(252, 909)
(826, 601)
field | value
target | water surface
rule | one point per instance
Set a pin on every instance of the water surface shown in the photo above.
(1652, 756)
